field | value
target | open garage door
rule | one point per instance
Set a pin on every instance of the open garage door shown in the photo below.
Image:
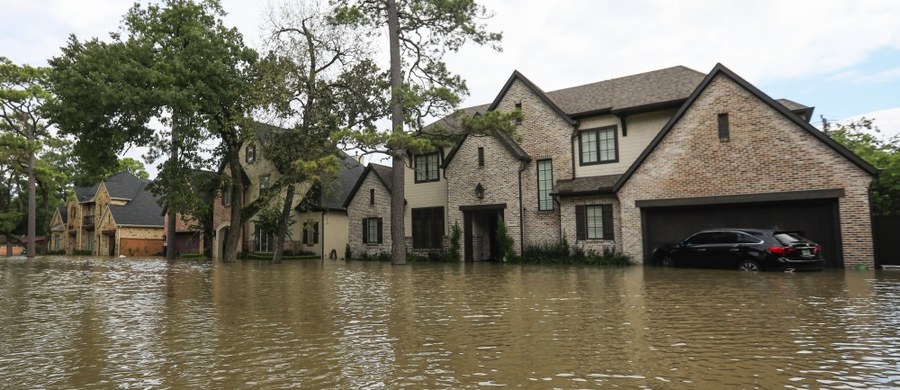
(818, 219)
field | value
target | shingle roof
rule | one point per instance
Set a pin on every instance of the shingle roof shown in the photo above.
(586, 185)
(143, 210)
(335, 196)
(84, 194)
(63, 213)
(642, 89)
(124, 185)
(385, 174)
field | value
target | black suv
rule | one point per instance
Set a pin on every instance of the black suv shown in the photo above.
(743, 249)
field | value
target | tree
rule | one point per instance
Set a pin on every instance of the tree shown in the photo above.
(863, 138)
(420, 33)
(22, 96)
(178, 65)
(319, 75)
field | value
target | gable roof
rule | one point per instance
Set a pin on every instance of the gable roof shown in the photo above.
(534, 88)
(63, 213)
(143, 210)
(382, 173)
(336, 196)
(718, 70)
(85, 194)
(508, 143)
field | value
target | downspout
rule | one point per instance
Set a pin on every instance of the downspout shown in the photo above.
(521, 210)
(322, 232)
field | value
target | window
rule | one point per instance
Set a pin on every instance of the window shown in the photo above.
(427, 167)
(372, 196)
(598, 146)
(371, 230)
(428, 227)
(480, 156)
(519, 107)
(263, 186)
(594, 222)
(311, 233)
(265, 241)
(250, 154)
(226, 197)
(545, 184)
(723, 127)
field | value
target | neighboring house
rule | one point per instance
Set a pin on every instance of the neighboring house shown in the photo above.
(118, 216)
(369, 212)
(319, 218)
(633, 162)
(58, 231)
(189, 235)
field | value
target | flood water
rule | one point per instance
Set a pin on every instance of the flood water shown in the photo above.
(147, 323)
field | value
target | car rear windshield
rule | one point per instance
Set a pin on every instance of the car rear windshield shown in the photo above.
(788, 238)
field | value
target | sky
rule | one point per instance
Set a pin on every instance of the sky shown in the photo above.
(842, 57)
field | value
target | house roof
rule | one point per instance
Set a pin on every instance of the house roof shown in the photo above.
(336, 196)
(124, 185)
(143, 210)
(591, 185)
(508, 143)
(63, 213)
(718, 70)
(629, 92)
(84, 194)
(382, 172)
(537, 90)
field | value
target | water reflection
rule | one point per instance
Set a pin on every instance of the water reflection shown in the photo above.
(148, 323)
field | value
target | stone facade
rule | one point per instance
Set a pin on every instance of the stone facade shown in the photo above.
(360, 208)
(691, 161)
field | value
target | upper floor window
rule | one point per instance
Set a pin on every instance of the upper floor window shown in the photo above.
(598, 146)
(427, 167)
(723, 127)
(371, 196)
(263, 186)
(250, 155)
(545, 184)
(226, 196)
(480, 156)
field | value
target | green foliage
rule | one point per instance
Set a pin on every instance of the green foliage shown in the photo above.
(864, 139)
(455, 251)
(562, 253)
(381, 256)
(82, 252)
(507, 245)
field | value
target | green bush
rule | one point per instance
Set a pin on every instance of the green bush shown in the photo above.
(193, 256)
(56, 253)
(348, 254)
(562, 253)
(507, 245)
(455, 247)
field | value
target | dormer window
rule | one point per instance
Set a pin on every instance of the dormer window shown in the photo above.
(250, 155)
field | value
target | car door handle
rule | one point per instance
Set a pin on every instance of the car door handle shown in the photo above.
(734, 249)
(701, 249)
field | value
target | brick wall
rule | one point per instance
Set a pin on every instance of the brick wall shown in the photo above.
(567, 220)
(360, 208)
(498, 177)
(766, 153)
(544, 135)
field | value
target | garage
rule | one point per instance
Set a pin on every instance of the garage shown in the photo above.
(139, 247)
(816, 216)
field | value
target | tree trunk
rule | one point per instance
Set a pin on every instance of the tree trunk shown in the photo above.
(170, 223)
(32, 198)
(398, 230)
(237, 203)
(281, 231)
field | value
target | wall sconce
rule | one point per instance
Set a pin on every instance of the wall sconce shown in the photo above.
(479, 191)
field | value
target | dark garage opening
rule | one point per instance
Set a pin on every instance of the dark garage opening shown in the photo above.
(818, 219)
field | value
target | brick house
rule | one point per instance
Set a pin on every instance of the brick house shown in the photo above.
(319, 217)
(633, 162)
(118, 216)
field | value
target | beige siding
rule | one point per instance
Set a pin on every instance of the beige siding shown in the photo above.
(642, 128)
(335, 234)
(429, 194)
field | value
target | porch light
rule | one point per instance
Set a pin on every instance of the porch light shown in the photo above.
(479, 191)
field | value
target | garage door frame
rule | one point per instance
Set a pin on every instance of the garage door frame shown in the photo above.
(770, 199)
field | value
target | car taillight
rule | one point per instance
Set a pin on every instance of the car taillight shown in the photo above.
(817, 249)
(779, 250)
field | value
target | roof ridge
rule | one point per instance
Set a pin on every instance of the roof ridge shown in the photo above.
(625, 77)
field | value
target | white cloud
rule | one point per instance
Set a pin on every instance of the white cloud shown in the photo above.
(888, 121)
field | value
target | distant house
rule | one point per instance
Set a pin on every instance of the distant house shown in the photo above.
(369, 212)
(628, 164)
(58, 230)
(118, 216)
(319, 218)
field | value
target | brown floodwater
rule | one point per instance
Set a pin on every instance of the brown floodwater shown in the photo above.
(147, 323)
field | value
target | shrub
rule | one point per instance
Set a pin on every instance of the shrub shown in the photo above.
(562, 253)
(507, 245)
(348, 254)
(455, 247)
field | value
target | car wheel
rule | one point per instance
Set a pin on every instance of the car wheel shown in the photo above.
(667, 262)
(749, 266)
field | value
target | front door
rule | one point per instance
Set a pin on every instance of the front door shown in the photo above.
(480, 234)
